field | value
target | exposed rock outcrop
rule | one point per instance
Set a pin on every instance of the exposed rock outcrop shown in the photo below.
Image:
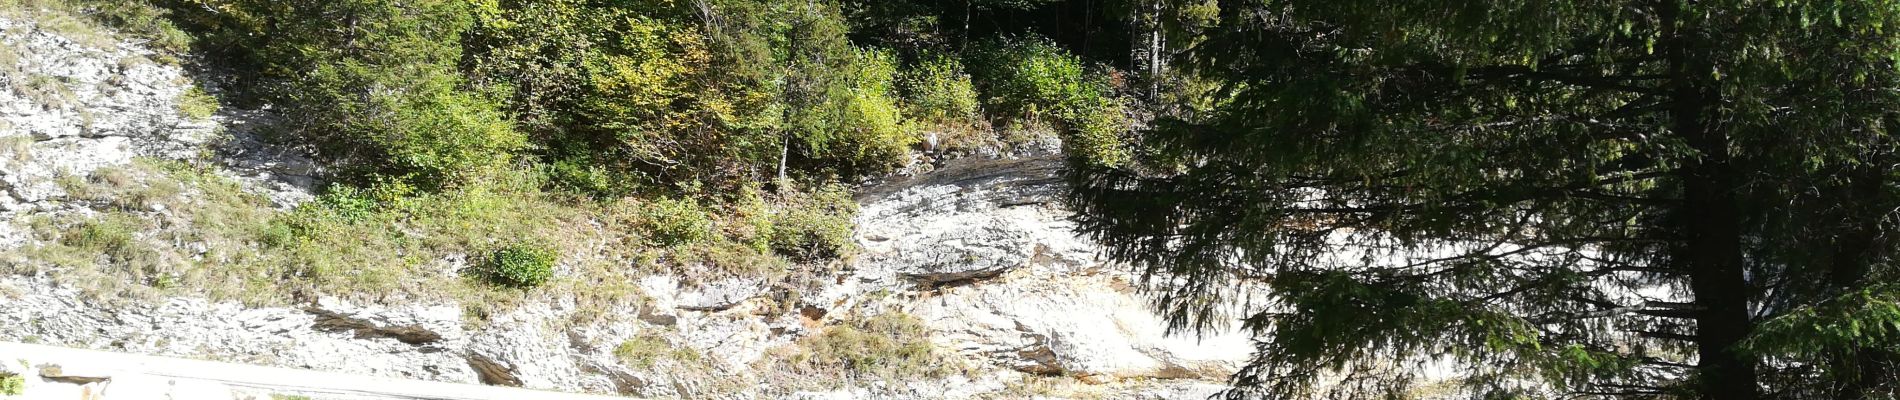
(1049, 305)
(73, 107)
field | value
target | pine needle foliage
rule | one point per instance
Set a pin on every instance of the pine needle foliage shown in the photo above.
(1560, 199)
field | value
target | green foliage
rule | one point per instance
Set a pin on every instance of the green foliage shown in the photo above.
(374, 85)
(940, 91)
(1493, 184)
(1866, 318)
(1035, 80)
(12, 384)
(194, 103)
(673, 222)
(861, 129)
(643, 97)
(941, 97)
(520, 265)
(816, 225)
(1856, 334)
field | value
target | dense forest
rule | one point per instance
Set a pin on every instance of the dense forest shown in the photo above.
(1626, 199)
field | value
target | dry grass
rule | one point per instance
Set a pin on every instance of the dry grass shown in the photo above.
(889, 347)
(650, 348)
(15, 150)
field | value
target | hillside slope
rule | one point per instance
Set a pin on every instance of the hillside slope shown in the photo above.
(969, 283)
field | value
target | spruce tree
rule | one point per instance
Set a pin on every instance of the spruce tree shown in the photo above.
(1648, 199)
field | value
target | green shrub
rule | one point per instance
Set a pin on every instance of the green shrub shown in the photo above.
(940, 92)
(12, 385)
(860, 129)
(382, 96)
(347, 202)
(520, 265)
(588, 176)
(815, 225)
(1035, 79)
(672, 222)
(112, 234)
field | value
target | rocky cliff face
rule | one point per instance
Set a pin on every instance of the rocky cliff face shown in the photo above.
(978, 250)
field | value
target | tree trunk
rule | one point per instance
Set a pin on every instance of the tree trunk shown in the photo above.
(1711, 221)
(1713, 256)
(1154, 50)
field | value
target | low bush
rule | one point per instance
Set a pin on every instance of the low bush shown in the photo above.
(673, 222)
(520, 265)
(815, 225)
(943, 101)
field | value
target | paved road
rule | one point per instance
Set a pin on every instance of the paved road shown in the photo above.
(73, 374)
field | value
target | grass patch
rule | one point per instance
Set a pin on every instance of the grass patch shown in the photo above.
(649, 348)
(197, 105)
(180, 226)
(692, 374)
(389, 239)
(175, 227)
(890, 347)
(141, 186)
